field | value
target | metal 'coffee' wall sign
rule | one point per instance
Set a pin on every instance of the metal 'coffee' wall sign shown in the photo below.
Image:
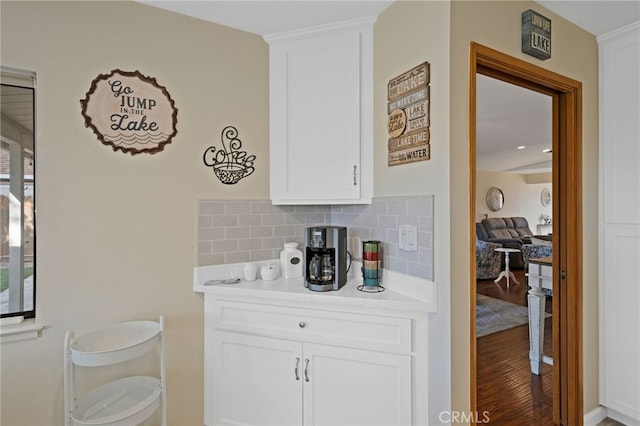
(536, 35)
(408, 121)
(130, 112)
(228, 162)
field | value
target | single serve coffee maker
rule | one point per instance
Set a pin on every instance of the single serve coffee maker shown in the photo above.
(325, 258)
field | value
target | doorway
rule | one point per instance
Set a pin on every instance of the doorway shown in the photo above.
(566, 97)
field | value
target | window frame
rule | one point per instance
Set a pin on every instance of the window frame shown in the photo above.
(23, 79)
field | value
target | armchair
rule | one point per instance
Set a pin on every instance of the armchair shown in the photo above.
(488, 261)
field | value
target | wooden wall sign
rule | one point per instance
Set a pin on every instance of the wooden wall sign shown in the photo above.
(536, 35)
(130, 112)
(408, 121)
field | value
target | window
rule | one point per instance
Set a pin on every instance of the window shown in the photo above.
(17, 194)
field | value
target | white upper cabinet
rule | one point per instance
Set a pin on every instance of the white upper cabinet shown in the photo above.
(321, 114)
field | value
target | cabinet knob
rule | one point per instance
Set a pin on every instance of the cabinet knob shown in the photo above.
(302, 324)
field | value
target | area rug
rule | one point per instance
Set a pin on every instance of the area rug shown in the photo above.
(494, 315)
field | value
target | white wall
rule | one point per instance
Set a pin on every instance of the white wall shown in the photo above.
(521, 198)
(117, 233)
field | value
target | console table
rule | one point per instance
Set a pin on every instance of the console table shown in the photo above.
(539, 276)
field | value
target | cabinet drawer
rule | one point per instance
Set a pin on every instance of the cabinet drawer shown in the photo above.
(344, 329)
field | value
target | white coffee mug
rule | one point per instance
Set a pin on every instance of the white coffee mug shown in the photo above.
(250, 271)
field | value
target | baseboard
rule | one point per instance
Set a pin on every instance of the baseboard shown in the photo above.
(592, 418)
(622, 418)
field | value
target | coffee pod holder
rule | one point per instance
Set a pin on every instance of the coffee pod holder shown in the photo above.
(371, 267)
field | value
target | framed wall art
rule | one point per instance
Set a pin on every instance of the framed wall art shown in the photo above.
(130, 112)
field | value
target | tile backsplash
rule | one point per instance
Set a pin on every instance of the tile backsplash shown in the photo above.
(234, 231)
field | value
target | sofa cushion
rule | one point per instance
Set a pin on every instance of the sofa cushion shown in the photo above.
(521, 225)
(481, 232)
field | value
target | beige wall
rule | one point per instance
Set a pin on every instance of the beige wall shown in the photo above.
(521, 197)
(407, 34)
(575, 55)
(117, 233)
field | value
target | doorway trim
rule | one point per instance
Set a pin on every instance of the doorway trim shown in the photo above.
(567, 214)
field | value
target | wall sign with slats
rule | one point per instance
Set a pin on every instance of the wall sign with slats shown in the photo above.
(408, 121)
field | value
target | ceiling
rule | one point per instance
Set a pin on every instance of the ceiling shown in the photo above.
(596, 17)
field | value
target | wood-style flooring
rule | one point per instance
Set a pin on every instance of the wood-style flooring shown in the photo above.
(507, 392)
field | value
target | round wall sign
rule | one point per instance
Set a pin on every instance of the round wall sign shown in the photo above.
(545, 197)
(495, 199)
(130, 112)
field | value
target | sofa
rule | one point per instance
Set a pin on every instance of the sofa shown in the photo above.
(511, 232)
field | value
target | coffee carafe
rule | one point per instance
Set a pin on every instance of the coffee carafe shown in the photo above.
(325, 258)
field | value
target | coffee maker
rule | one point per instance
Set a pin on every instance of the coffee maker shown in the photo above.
(325, 258)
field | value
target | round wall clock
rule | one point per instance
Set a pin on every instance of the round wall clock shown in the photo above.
(495, 199)
(545, 197)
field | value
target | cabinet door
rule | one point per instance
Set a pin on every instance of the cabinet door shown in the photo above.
(355, 387)
(254, 381)
(315, 118)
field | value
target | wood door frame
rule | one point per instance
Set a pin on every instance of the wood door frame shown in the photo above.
(567, 214)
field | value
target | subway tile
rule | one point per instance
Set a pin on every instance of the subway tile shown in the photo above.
(388, 222)
(249, 219)
(237, 232)
(211, 207)
(397, 207)
(273, 219)
(210, 234)
(223, 246)
(204, 221)
(225, 220)
(261, 207)
(273, 243)
(264, 254)
(250, 244)
(261, 229)
(237, 257)
(284, 231)
(237, 206)
(210, 259)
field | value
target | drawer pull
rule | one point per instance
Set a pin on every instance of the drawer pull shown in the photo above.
(296, 369)
(302, 324)
(306, 370)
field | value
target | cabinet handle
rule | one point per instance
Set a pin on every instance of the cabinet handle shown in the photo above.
(302, 324)
(296, 369)
(306, 370)
(355, 175)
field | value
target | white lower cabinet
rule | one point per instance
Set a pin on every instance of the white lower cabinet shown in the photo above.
(295, 373)
(355, 387)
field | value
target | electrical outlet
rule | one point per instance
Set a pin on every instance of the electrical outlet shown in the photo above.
(408, 237)
(356, 248)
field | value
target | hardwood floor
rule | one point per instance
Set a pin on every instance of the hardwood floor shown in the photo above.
(507, 392)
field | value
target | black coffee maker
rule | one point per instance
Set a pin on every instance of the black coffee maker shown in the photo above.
(325, 258)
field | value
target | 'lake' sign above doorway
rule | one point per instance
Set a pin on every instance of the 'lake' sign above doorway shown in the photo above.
(130, 112)
(536, 35)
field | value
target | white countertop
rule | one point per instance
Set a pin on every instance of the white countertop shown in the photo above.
(401, 291)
